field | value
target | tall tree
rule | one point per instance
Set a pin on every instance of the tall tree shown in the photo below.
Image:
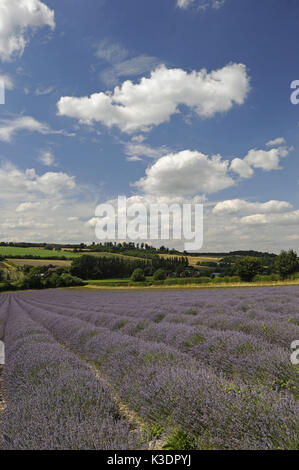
(286, 263)
(248, 267)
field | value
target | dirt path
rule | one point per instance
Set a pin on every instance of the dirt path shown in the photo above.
(133, 418)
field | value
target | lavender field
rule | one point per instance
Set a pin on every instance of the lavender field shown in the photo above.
(207, 369)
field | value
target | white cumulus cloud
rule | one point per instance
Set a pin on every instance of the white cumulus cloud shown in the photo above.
(289, 218)
(241, 167)
(17, 19)
(13, 180)
(237, 206)
(276, 142)
(186, 173)
(266, 159)
(153, 100)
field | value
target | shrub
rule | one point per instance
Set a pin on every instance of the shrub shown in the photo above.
(138, 275)
(159, 275)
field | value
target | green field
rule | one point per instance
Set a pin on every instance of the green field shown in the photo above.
(7, 251)
(116, 282)
(11, 251)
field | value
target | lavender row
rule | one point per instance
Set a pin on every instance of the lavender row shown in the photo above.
(173, 390)
(54, 401)
(232, 352)
(4, 309)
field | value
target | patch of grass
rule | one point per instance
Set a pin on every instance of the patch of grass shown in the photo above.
(180, 440)
(85, 337)
(246, 348)
(155, 431)
(193, 311)
(120, 325)
(194, 340)
(153, 357)
(245, 308)
(158, 318)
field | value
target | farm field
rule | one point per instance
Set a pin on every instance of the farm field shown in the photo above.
(177, 370)
(38, 262)
(193, 260)
(7, 251)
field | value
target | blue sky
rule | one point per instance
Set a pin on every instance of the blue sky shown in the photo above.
(84, 141)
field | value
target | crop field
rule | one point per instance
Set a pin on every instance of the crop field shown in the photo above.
(176, 370)
(193, 260)
(61, 263)
(7, 251)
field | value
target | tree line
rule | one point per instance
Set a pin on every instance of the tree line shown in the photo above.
(92, 267)
(285, 265)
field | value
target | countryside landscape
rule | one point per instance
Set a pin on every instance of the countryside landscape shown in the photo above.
(149, 244)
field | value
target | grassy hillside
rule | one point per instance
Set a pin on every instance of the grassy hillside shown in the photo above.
(10, 271)
(7, 251)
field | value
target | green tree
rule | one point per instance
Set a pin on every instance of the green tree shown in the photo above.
(32, 280)
(286, 263)
(248, 267)
(138, 275)
(159, 275)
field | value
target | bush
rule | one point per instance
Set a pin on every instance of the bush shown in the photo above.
(138, 275)
(32, 280)
(294, 276)
(7, 286)
(43, 278)
(159, 275)
(63, 280)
